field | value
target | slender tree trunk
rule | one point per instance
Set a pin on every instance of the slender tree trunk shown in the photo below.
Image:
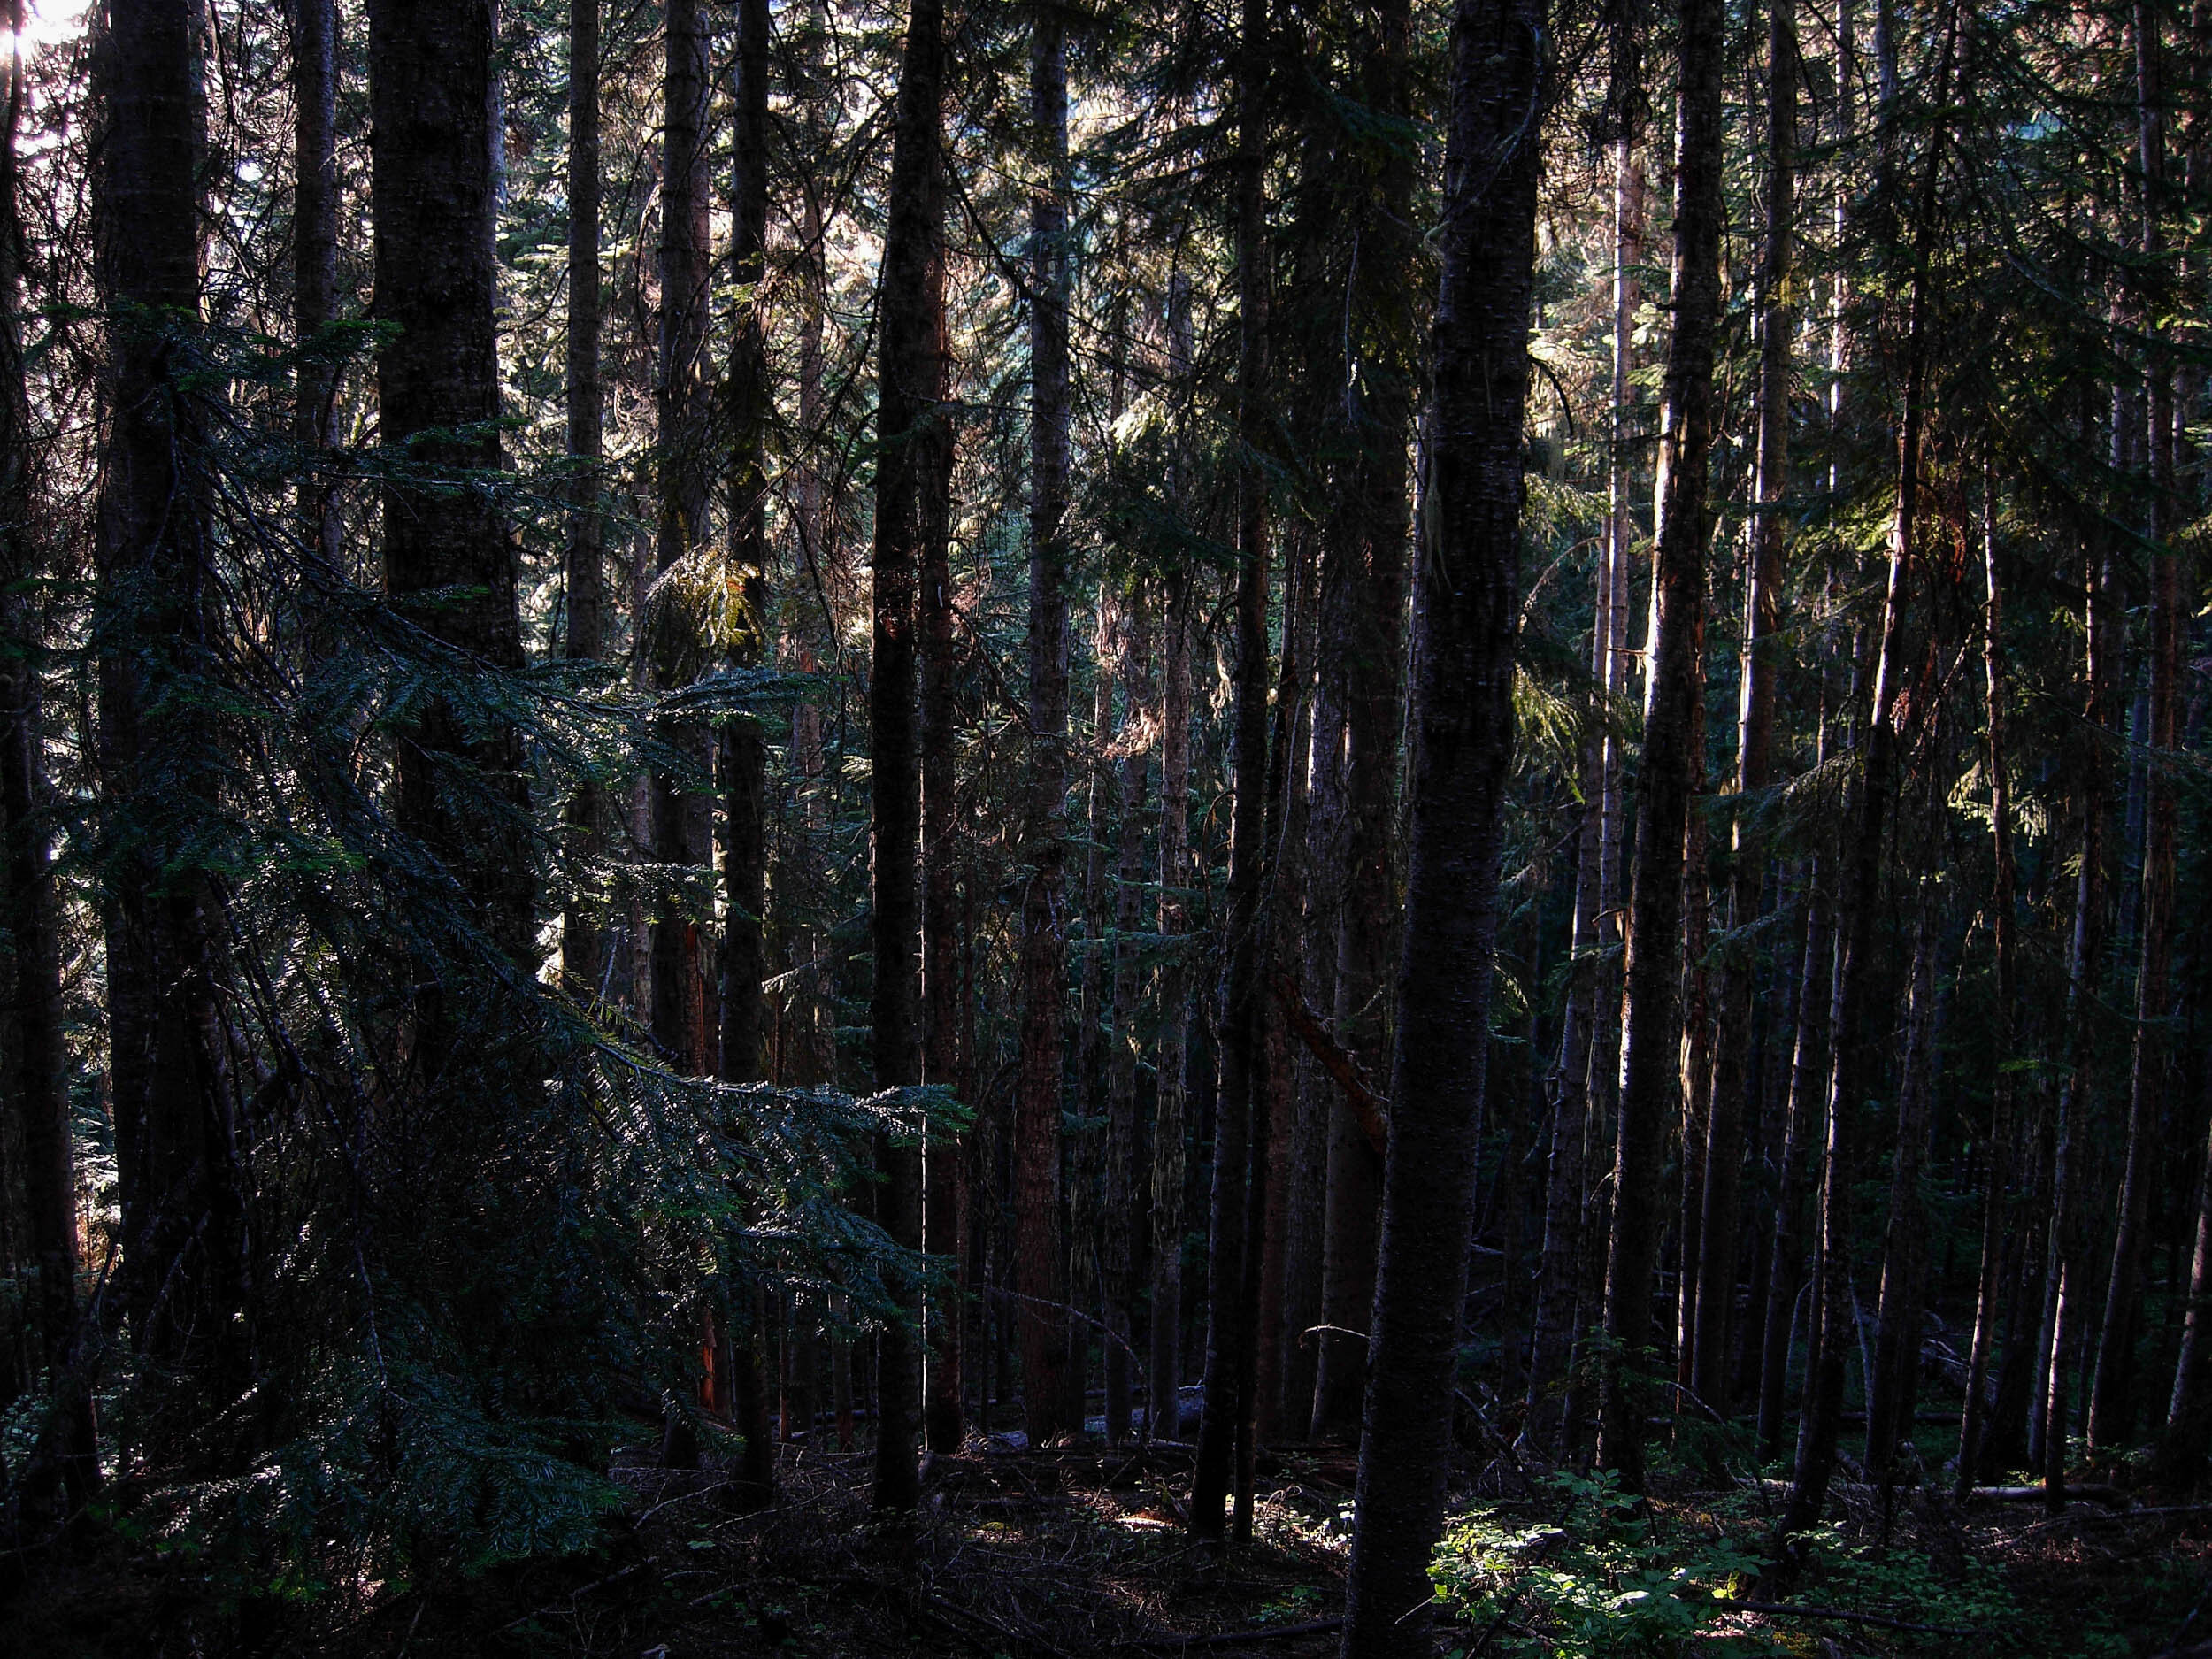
(1462, 752)
(1226, 1417)
(911, 437)
(1037, 1250)
(1754, 727)
(2002, 900)
(65, 1460)
(1371, 648)
(1170, 1130)
(1651, 1016)
(1889, 1382)
(583, 946)
(315, 256)
(2112, 1400)
(674, 626)
(1808, 1073)
(743, 761)
(1134, 672)
(1859, 902)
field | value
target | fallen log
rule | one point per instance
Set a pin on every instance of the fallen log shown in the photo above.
(2091, 1493)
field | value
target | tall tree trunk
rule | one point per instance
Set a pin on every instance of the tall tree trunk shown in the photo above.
(1225, 1418)
(743, 761)
(1037, 1250)
(2112, 1400)
(1118, 1258)
(1889, 1383)
(583, 946)
(66, 1462)
(1858, 903)
(911, 437)
(1170, 1130)
(2001, 899)
(1808, 1073)
(182, 1232)
(1370, 641)
(315, 256)
(1651, 1016)
(1470, 599)
(1755, 726)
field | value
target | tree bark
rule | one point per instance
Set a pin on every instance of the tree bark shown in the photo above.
(1651, 1016)
(1858, 904)
(2112, 1400)
(1470, 599)
(1118, 1258)
(65, 1464)
(1037, 1151)
(674, 622)
(1225, 1417)
(583, 946)
(909, 437)
(1755, 726)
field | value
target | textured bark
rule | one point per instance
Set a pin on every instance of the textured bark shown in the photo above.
(65, 1465)
(1369, 642)
(1652, 1012)
(909, 434)
(1754, 727)
(676, 655)
(583, 946)
(1469, 599)
(183, 1237)
(1225, 1418)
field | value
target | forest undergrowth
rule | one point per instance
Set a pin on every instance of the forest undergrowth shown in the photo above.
(1082, 1549)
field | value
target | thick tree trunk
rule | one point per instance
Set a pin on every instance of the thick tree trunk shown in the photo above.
(1037, 1250)
(1224, 1420)
(911, 437)
(181, 1273)
(1651, 1016)
(583, 946)
(678, 1005)
(1462, 751)
(1754, 727)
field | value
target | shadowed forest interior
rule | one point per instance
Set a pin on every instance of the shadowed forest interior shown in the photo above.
(876, 828)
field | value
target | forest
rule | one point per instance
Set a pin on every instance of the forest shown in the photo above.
(1033, 827)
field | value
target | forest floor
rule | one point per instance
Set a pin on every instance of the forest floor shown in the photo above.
(1082, 1551)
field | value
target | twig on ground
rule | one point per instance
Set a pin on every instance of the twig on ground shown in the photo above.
(1880, 1621)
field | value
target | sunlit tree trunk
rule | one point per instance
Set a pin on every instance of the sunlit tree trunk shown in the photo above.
(583, 946)
(1651, 1014)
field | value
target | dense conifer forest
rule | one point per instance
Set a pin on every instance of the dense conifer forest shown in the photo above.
(1033, 827)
